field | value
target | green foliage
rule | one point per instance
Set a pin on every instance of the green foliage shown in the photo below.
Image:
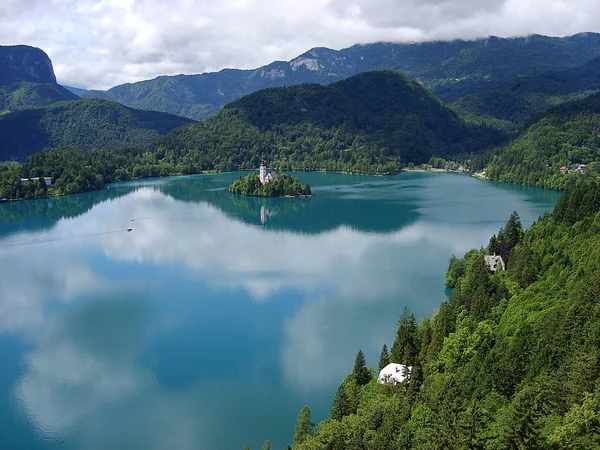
(361, 373)
(511, 360)
(84, 124)
(450, 69)
(29, 95)
(369, 123)
(566, 136)
(384, 358)
(404, 350)
(266, 445)
(510, 106)
(304, 428)
(283, 185)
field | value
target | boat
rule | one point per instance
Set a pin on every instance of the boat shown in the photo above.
(129, 229)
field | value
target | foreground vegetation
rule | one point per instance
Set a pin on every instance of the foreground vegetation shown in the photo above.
(283, 186)
(511, 360)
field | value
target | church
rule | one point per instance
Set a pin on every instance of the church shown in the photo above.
(266, 175)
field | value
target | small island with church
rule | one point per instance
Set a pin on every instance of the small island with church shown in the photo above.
(268, 184)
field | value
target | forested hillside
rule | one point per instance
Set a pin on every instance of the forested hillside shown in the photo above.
(85, 124)
(369, 123)
(565, 137)
(509, 106)
(29, 95)
(511, 360)
(450, 69)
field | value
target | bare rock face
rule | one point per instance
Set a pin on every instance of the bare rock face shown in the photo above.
(23, 63)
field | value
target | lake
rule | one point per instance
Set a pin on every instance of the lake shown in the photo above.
(212, 322)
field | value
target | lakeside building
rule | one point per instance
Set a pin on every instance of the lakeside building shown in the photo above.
(47, 180)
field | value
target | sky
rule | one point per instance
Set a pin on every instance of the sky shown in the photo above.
(102, 43)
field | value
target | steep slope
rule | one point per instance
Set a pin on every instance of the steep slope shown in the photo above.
(511, 361)
(84, 124)
(449, 69)
(368, 123)
(23, 63)
(27, 79)
(28, 95)
(512, 104)
(567, 135)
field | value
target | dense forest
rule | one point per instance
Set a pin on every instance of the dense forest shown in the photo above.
(510, 360)
(28, 95)
(283, 186)
(88, 125)
(510, 106)
(566, 137)
(370, 123)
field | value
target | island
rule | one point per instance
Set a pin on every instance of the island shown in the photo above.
(268, 184)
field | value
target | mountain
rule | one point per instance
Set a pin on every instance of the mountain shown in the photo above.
(567, 135)
(85, 124)
(369, 123)
(23, 63)
(449, 69)
(509, 361)
(511, 105)
(77, 91)
(27, 79)
(27, 95)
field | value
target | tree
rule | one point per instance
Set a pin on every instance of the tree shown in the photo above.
(404, 350)
(360, 372)
(304, 427)
(341, 406)
(266, 445)
(384, 358)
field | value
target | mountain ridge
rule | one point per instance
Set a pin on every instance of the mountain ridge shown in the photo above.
(449, 68)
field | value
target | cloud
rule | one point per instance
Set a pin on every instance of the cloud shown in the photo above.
(101, 43)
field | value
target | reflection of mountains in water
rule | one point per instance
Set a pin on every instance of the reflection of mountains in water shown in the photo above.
(325, 211)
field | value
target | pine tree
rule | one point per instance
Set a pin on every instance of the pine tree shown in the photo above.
(493, 246)
(304, 427)
(404, 350)
(340, 407)
(384, 358)
(361, 373)
(266, 445)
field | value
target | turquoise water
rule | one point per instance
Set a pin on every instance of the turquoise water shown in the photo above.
(213, 321)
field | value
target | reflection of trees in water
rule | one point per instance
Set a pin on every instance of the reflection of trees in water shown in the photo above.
(45, 212)
(323, 212)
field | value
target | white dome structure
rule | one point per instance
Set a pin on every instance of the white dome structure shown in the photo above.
(394, 373)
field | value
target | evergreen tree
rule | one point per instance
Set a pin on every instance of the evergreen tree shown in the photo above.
(266, 445)
(341, 406)
(493, 245)
(304, 427)
(404, 350)
(384, 358)
(361, 372)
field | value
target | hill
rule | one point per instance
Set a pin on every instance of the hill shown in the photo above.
(511, 360)
(369, 123)
(511, 105)
(84, 124)
(29, 95)
(449, 69)
(566, 136)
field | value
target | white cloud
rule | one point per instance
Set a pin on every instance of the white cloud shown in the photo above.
(101, 43)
